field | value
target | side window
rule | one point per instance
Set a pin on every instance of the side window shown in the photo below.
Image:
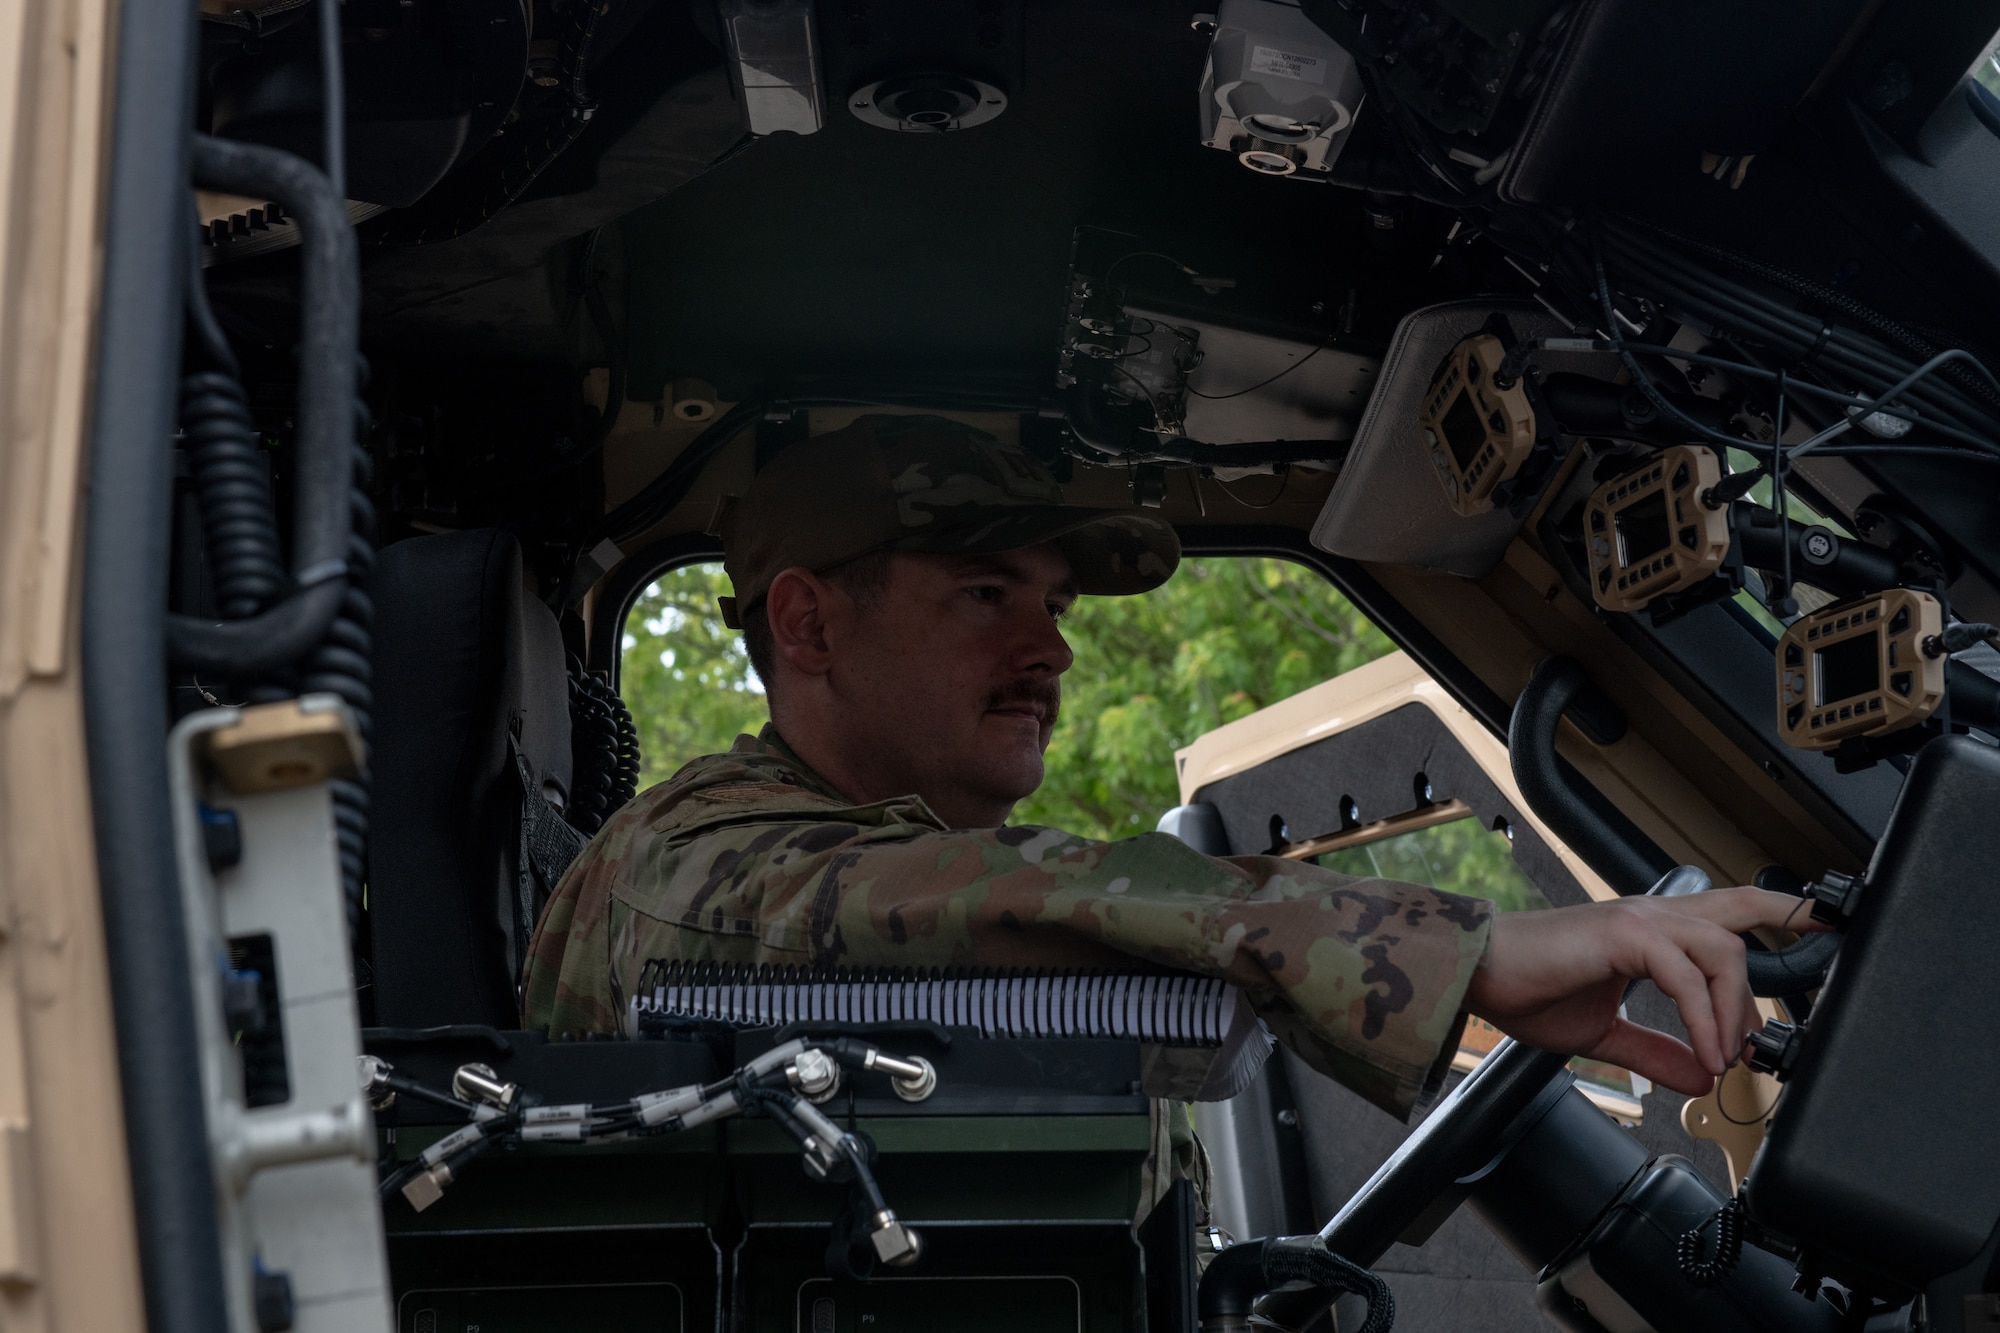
(1462, 856)
(684, 673)
(1223, 638)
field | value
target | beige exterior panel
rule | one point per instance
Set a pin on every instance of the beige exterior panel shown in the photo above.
(68, 1246)
(1343, 703)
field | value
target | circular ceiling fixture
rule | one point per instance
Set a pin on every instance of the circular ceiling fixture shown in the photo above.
(927, 103)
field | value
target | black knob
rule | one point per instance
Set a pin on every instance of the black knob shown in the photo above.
(1834, 898)
(1773, 1050)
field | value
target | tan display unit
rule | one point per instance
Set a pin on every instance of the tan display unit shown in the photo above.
(1478, 434)
(1858, 668)
(1649, 533)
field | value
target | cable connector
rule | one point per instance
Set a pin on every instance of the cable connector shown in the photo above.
(427, 1187)
(1733, 487)
(1774, 1050)
(479, 1084)
(374, 1072)
(815, 1074)
(913, 1079)
(1835, 897)
(895, 1244)
(1958, 637)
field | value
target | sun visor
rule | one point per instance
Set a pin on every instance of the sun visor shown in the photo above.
(1388, 504)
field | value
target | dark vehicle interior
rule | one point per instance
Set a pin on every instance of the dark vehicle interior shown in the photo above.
(1629, 365)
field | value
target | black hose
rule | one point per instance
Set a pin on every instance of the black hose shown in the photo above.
(1571, 812)
(1796, 970)
(333, 97)
(330, 302)
(126, 542)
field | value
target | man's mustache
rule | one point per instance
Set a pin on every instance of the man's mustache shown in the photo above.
(1045, 696)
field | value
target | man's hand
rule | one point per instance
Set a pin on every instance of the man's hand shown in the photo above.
(1555, 979)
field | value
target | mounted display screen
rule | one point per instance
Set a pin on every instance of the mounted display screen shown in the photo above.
(1463, 430)
(1476, 432)
(1649, 533)
(1642, 528)
(1859, 668)
(1847, 668)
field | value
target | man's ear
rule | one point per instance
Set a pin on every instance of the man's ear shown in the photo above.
(797, 605)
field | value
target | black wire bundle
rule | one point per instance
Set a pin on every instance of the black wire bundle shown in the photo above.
(1323, 1268)
(604, 750)
(1778, 319)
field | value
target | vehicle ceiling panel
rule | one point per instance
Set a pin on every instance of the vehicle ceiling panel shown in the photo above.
(856, 255)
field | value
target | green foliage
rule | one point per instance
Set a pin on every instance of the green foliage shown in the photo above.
(1224, 638)
(685, 675)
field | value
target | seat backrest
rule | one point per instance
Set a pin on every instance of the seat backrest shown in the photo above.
(471, 693)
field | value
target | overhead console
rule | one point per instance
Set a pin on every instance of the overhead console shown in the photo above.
(1677, 447)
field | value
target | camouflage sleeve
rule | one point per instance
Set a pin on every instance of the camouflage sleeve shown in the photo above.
(1363, 978)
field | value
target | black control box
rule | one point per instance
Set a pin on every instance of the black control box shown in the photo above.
(1883, 1161)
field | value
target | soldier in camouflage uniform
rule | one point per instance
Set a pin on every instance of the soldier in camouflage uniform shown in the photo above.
(872, 831)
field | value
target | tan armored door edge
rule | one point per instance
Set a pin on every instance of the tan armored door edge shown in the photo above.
(68, 1249)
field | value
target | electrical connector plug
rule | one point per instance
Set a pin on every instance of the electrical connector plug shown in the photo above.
(895, 1244)
(479, 1084)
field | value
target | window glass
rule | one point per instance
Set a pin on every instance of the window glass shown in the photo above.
(1463, 856)
(1987, 72)
(1223, 638)
(684, 673)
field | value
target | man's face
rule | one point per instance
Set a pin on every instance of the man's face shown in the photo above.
(951, 675)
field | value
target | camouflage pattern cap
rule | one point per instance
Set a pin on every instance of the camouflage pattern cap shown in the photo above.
(925, 484)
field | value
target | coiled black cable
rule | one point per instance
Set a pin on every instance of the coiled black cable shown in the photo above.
(342, 666)
(604, 750)
(1691, 1251)
(239, 529)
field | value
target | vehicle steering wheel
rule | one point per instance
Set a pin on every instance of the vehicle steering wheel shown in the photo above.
(1479, 1122)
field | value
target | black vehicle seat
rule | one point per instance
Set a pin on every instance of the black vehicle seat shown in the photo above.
(470, 692)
